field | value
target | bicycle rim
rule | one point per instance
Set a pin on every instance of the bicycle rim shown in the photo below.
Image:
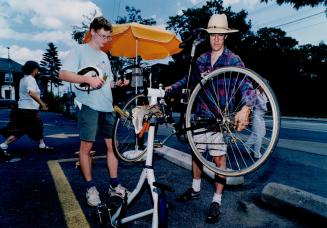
(128, 146)
(210, 118)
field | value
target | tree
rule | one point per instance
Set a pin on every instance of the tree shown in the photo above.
(300, 3)
(50, 64)
(134, 15)
(79, 31)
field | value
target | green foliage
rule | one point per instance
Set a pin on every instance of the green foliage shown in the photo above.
(300, 3)
(134, 15)
(50, 64)
(80, 31)
(55, 103)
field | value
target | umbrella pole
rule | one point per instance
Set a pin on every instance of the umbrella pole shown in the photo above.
(136, 62)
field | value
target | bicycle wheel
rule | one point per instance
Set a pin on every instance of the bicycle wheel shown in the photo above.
(128, 146)
(210, 121)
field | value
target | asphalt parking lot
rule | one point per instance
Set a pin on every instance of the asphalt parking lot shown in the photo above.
(47, 190)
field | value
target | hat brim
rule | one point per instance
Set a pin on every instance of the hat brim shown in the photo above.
(221, 30)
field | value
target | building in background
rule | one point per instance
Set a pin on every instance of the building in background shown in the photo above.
(10, 75)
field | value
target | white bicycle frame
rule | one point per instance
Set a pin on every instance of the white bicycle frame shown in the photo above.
(147, 172)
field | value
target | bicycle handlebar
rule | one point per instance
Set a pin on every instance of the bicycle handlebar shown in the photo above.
(196, 33)
(122, 71)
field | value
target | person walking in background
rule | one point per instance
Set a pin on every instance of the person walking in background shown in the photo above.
(96, 111)
(26, 119)
(258, 124)
(219, 56)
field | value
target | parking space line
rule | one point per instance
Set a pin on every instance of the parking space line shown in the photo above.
(73, 213)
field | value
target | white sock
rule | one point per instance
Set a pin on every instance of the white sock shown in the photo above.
(196, 185)
(217, 198)
(4, 146)
(42, 145)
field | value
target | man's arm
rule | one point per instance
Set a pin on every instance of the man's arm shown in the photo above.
(119, 83)
(38, 100)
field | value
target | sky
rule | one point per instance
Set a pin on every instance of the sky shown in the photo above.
(27, 26)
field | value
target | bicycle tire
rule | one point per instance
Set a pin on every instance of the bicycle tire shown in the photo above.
(126, 143)
(221, 93)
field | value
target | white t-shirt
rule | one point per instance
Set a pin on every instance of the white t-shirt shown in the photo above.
(26, 84)
(86, 56)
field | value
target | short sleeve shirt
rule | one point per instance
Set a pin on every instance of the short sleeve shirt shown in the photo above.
(86, 56)
(27, 84)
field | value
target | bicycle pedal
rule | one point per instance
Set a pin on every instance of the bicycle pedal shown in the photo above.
(157, 145)
(163, 187)
(101, 213)
(77, 163)
(92, 153)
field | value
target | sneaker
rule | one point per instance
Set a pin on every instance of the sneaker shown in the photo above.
(92, 196)
(214, 212)
(46, 149)
(189, 194)
(119, 191)
(5, 153)
(157, 144)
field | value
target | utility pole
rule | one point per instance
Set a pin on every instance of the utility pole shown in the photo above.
(10, 77)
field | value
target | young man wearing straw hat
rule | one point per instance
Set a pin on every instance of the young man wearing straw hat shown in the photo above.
(219, 56)
(96, 112)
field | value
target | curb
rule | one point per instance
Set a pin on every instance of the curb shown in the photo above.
(185, 160)
(282, 196)
(304, 118)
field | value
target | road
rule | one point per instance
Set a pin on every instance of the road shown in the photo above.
(37, 193)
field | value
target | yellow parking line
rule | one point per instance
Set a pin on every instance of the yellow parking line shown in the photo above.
(73, 213)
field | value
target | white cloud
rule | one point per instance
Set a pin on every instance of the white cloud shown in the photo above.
(42, 21)
(22, 54)
(49, 14)
(53, 36)
(180, 8)
(194, 2)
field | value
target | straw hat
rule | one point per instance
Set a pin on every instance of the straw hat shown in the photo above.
(218, 24)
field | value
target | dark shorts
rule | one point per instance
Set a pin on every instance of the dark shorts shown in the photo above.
(24, 121)
(90, 122)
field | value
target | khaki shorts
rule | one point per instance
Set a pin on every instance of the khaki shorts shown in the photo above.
(211, 141)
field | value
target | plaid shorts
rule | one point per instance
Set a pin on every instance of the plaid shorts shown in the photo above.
(211, 141)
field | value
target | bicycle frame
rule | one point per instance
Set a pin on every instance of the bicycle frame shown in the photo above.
(147, 173)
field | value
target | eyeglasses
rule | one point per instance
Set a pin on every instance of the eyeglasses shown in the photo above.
(104, 37)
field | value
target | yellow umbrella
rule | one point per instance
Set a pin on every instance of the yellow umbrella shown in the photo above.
(133, 39)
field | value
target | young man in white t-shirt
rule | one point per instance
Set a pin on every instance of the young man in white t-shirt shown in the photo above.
(26, 120)
(96, 113)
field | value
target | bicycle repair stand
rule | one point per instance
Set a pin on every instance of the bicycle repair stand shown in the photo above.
(147, 174)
